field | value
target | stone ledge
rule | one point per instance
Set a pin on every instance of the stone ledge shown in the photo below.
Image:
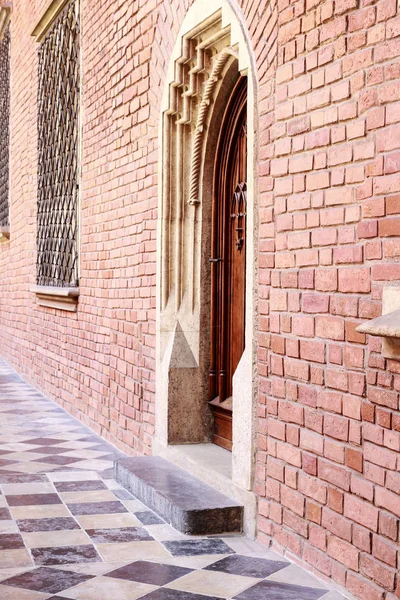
(384, 326)
(188, 504)
(43, 25)
(62, 298)
(387, 326)
(5, 10)
(4, 234)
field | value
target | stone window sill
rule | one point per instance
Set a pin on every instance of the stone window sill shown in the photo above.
(4, 234)
(387, 326)
(62, 298)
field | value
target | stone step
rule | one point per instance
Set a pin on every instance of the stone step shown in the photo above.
(188, 504)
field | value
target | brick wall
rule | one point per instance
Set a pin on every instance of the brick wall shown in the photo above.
(328, 75)
(329, 436)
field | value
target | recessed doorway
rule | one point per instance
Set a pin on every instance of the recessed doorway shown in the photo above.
(228, 262)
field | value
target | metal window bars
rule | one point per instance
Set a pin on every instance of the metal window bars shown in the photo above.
(58, 118)
(4, 127)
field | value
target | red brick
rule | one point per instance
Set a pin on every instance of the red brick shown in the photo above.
(303, 326)
(363, 588)
(352, 335)
(389, 227)
(336, 524)
(311, 442)
(361, 512)
(384, 551)
(362, 538)
(312, 351)
(299, 125)
(383, 397)
(387, 500)
(388, 526)
(343, 552)
(276, 429)
(377, 571)
(345, 306)
(293, 500)
(336, 427)
(326, 280)
(339, 196)
(380, 456)
(335, 500)
(291, 412)
(329, 327)
(330, 401)
(333, 474)
(354, 280)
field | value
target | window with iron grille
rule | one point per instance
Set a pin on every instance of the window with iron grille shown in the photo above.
(58, 124)
(4, 128)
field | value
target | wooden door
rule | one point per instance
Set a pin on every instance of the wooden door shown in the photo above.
(228, 262)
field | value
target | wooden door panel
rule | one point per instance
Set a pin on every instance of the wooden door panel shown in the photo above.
(236, 301)
(228, 263)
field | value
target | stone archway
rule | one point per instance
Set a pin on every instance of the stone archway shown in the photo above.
(210, 53)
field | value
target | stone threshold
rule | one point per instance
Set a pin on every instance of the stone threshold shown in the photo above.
(188, 504)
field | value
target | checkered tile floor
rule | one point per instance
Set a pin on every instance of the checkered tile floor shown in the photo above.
(69, 531)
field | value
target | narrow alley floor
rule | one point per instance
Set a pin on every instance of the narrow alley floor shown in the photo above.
(69, 531)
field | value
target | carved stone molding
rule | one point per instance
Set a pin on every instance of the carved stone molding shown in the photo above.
(198, 137)
(205, 51)
(211, 53)
(51, 12)
(5, 12)
(57, 297)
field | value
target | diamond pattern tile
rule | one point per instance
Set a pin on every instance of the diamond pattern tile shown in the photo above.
(69, 531)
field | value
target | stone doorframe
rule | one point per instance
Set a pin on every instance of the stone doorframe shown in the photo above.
(210, 53)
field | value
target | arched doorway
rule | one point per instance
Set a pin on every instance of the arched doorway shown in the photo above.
(228, 262)
(209, 96)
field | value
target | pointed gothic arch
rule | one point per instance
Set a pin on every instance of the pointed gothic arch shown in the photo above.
(210, 55)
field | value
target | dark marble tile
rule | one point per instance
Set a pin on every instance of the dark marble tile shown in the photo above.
(11, 541)
(45, 441)
(15, 477)
(124, 534)
(144, 571)
(6, 463)
(106, 448)
(59, 460)
(197, 547)
(50, 524)
(123, 494)
(33, 499)
(97, 508)
(80, 486)
(166, 594)
(147, 517)
(249, 566)
(91, 438)
(65, 555)
(46, 580)
(271, 590)
(17, 411)
(49, 450)
(107, 474)
(4, 514)
(40, 431)
(110, 458)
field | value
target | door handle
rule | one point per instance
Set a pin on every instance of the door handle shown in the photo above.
(214, 260)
